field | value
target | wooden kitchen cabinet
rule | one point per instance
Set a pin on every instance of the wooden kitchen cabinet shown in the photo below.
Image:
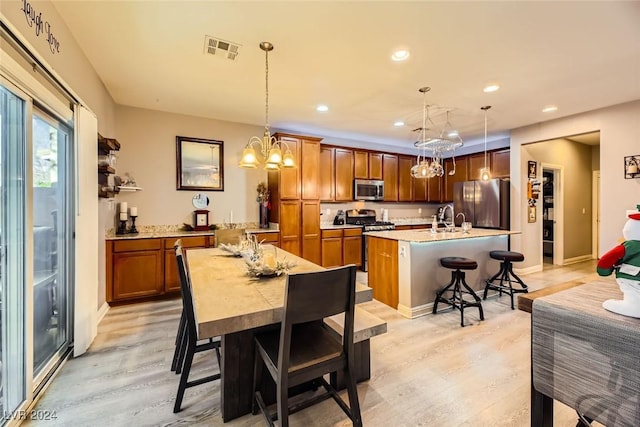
(288, 179)
(434, 189)
(405, 180)
(460, 176)
(171, 279)
(331, 248)
(390, 177)
(403, 227)
(501, 164)
(268, 238)
(344, 175)
(361, 164)
(137, 269)
(475, 164)
(310, 169)
(420, 189)
(290, 226)
(311, 247)
(375, 166)
(352, 246)
(327, 175)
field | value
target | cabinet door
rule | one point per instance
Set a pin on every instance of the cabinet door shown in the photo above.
(344, 175)
(361, 165)
(405, 180)
(137, 274)
(290, 177)
(171, 279)
(327, 177)
(375, 165)
(310, 169)
(290, 226)
(311, 232)
(420, 189)
(332, 252)
(500, 164)
(449, 180)
(434, 189)
(390, 177)
(270, 238)
(352, 250)
(476, 163)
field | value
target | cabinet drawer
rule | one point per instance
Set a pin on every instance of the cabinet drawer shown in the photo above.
(267, 237)
(187, 242)
(349, 232)
(327, 234)
(137, 245)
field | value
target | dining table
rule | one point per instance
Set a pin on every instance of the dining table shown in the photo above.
(234, 305)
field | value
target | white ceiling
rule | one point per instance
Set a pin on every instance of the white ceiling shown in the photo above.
(577, 55)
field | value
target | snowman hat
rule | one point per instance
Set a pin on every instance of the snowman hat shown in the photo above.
(634, 214)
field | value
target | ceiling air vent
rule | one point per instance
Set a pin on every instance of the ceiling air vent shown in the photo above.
(222, 48)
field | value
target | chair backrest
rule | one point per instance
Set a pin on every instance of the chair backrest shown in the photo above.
(231, 236)
(313, 296)
(185, 288)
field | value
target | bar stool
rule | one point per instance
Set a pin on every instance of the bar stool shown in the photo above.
(506, 274)
(458, 286)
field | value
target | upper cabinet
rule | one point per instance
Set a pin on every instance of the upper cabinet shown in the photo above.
(500, 164)
(375, 166)
(327, 177)
(286, 181)
(405, 180)
(390, 177)
(310, 169)
(460, 169)
(476, 162)
(361, 165)
(344, 175)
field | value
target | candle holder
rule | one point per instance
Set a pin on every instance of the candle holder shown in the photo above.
(122, 229)
(133, 229)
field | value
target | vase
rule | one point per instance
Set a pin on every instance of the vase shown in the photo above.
(264, 216)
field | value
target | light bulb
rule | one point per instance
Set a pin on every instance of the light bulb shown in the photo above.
(485, 174)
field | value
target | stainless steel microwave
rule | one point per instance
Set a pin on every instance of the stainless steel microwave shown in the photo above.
(368, 189)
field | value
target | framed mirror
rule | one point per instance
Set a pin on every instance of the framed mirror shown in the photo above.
(199, 164)
(200, 201)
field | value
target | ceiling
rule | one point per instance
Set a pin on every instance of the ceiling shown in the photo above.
(579, 56)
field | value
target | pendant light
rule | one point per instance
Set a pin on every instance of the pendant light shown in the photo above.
(270, 147)
(485, 173)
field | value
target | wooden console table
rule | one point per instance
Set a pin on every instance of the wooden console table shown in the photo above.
(585, 356)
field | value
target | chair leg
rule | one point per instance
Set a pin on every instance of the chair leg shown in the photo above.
(442, 291)
(179, 334)
(354, 404)
(184, 378)
(181, 351)
(257, 378)
(490, 281)
(283, 402)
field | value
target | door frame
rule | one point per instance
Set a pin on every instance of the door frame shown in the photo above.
(595, 219)
(558, 213)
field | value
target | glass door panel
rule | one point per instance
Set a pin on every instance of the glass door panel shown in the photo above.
(12, 249)
(50, 238)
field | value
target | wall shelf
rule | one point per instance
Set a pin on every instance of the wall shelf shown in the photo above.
(124, 188)
(106, 147)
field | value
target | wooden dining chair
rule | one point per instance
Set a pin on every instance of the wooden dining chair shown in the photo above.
(189, 340)
(231, 236)
(305, 349)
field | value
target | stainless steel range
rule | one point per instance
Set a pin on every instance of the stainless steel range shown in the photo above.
(367, 219)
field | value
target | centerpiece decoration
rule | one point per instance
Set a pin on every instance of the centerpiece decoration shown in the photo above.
(263, 260)
(264, 204)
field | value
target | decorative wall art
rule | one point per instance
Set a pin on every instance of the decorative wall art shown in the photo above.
(632, 167)
(199, 164)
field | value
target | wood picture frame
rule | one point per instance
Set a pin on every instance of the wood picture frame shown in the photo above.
(533, 169)
(199, 164)
(531, 214)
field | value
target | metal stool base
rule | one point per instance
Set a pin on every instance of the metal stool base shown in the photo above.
(458, 286)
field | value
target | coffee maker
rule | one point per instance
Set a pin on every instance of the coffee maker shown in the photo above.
(339, 218)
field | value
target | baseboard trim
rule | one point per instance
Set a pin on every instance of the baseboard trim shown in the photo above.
(102, 312)
(577, 259)
(528, 270)
(413, 312)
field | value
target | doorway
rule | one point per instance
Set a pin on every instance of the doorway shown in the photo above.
(552, 214)
(547, 216)
(595, 234)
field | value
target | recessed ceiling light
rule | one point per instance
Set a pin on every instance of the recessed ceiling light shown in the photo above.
(398, 123)
(549, 109)
(400, 55)
(322, 108)
(491, 87)
(452, 134)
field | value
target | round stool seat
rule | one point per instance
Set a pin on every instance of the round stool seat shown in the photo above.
(458, 263)
(506, 255)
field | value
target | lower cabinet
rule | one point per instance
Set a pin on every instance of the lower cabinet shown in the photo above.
(341, 247)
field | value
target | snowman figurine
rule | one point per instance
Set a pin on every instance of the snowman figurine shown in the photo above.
(624, 259)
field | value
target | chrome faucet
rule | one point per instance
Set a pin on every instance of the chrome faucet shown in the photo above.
(448, 226)
(463, 217)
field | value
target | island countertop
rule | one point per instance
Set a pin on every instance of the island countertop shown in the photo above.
(425, 235)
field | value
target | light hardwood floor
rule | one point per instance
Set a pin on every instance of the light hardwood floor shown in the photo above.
(425, 372)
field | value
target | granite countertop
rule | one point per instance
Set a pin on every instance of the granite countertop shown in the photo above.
(411, 221)
(158, 234)
(421, 236)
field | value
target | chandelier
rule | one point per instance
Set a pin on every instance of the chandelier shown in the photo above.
(434, 148)
(270, 147)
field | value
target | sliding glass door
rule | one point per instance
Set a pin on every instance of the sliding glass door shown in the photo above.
(13, 134)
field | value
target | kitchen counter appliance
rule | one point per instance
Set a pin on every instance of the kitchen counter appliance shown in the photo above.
(367, 219)
(368, 189)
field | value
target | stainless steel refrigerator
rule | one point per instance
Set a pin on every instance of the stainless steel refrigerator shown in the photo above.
(484, 203)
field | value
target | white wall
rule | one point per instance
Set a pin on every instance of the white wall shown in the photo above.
(619, 128)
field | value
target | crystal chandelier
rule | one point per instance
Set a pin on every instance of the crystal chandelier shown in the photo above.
(433, 148)
(270, 147)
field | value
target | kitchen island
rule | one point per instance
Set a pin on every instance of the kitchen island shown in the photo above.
(404, 265)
